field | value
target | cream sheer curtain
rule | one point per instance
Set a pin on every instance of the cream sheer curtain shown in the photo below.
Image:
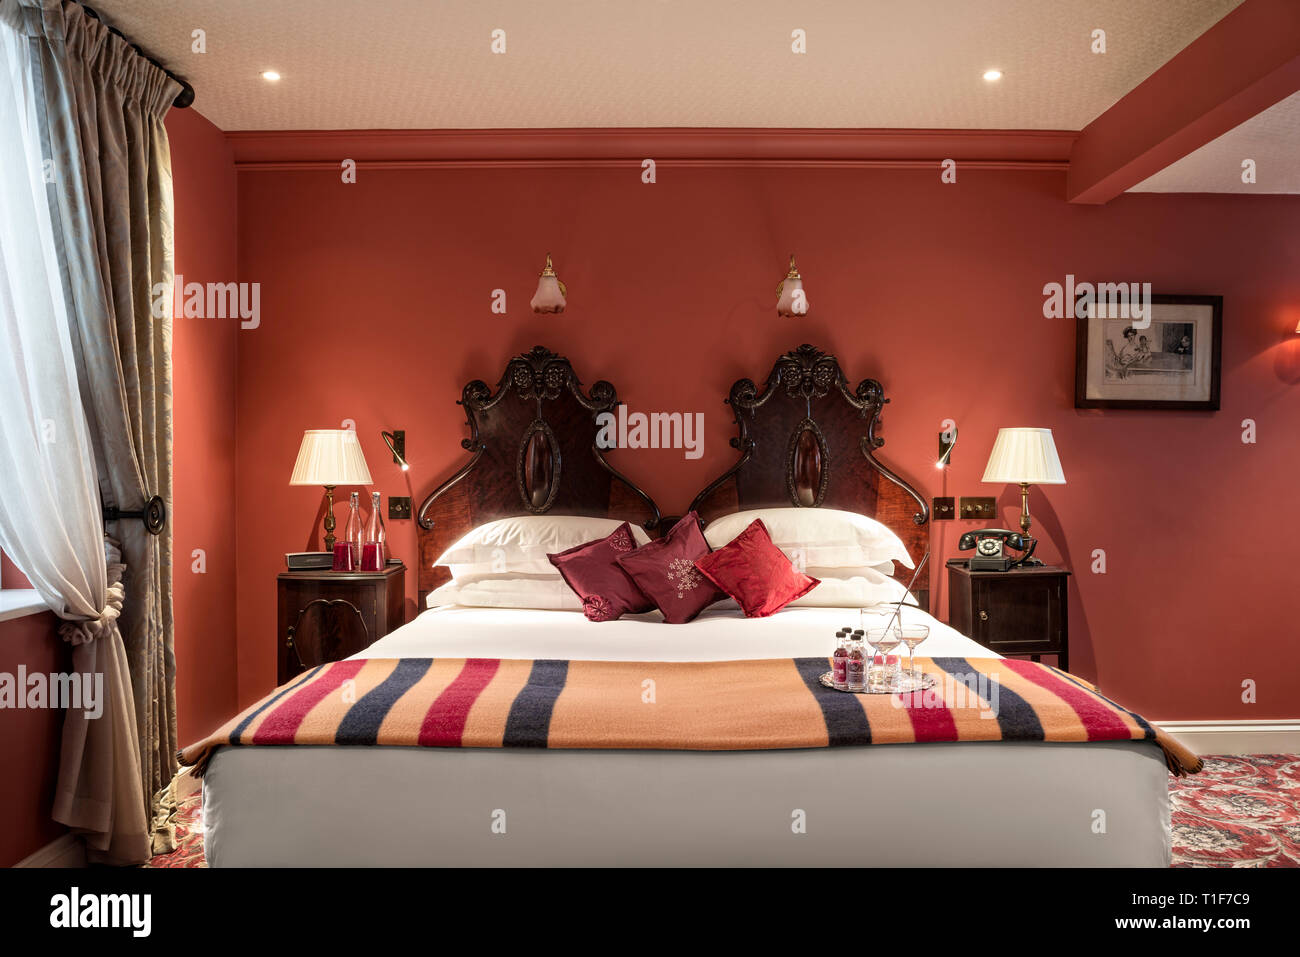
(88, 362)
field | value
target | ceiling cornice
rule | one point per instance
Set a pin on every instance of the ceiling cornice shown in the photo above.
(990, 149)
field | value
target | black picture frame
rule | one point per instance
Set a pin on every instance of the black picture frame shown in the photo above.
(1082, 360)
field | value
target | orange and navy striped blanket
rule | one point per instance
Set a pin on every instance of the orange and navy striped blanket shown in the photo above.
(702, 706)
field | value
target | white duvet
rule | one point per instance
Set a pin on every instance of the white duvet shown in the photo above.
(719, 634)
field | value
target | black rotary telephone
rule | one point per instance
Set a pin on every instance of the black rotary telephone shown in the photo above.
(990, 545)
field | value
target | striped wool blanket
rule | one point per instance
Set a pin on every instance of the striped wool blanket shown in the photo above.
(702, 706)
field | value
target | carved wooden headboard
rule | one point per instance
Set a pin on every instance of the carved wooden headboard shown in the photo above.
(533, 440)
(806, 441)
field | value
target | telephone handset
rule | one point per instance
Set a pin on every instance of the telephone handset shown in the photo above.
(990, 545)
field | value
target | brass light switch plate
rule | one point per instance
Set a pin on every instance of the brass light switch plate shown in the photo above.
(944, 509)
(978, 506)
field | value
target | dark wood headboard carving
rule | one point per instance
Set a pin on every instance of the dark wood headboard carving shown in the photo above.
(533, 440)
(807, 441)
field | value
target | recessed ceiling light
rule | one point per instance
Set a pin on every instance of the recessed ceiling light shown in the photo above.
(273, 76)
(992, 75)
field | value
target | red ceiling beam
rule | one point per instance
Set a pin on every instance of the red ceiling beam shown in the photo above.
(1238, 68)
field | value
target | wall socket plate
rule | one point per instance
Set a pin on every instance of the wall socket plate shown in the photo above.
(944, 509)
(399, 506)
(978, 506)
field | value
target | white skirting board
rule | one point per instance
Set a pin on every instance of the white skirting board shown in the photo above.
(65, 851)
(1277, 736)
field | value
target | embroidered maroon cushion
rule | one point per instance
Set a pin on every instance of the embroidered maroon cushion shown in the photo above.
(665, 571)
(592, 571)
(755, 572)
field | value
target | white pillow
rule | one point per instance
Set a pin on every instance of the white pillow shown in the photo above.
(866, 588)
(818, 537)
(519, 545)
(507, 591)
(850, 571)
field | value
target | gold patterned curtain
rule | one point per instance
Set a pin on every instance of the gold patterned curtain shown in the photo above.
(102, 107)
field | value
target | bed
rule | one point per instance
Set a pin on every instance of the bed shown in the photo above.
(804, 439)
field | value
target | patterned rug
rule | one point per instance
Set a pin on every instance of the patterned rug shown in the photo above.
(1241, 811)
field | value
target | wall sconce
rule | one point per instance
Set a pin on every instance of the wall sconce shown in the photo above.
(390, 441)
(945, 448)
(791, 300)
(551, 292)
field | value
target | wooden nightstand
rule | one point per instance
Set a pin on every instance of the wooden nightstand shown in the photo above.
(326, 616)
(1023, 611)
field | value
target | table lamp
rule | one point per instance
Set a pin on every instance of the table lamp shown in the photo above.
(1025, 457)
(330, 457)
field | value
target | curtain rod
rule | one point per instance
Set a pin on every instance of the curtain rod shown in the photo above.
(185, 97)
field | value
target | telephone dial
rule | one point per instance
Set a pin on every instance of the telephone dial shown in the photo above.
(990, 546)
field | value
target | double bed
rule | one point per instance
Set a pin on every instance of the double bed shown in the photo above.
(805, 440)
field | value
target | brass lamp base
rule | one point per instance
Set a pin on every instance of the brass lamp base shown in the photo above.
(329, 518)
(1024, 507)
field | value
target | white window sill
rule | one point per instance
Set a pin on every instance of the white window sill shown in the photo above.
(18, 602)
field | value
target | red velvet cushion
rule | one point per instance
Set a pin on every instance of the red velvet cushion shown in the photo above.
(593, 573)
(756, 573)
(665, 571)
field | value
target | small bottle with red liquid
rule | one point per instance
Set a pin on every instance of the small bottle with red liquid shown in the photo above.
(347, 550)
(840, 660)
(856, 666)
(374, 550)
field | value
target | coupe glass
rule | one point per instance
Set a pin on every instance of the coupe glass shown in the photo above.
(884, 640)
(912, 635)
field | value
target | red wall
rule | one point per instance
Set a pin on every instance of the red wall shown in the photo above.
(203, 396)
(375, 307)
(10, 576)
(29, 744)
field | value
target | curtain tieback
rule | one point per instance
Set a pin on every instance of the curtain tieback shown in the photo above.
(81, 632)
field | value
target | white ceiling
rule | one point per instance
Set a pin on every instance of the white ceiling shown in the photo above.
(875, 64)
(427, 64)
(1271, 139)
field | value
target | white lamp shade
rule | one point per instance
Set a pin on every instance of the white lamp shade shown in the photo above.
(330, 457)
(793, 301)
(549, 297)
(1024, 455)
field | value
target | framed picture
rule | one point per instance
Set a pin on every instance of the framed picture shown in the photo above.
(1167, 360)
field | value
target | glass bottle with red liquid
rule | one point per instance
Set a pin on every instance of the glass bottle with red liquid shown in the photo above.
(347, 550)
(374, 550)
(840, 660)
(856, 666)
(355, 532)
